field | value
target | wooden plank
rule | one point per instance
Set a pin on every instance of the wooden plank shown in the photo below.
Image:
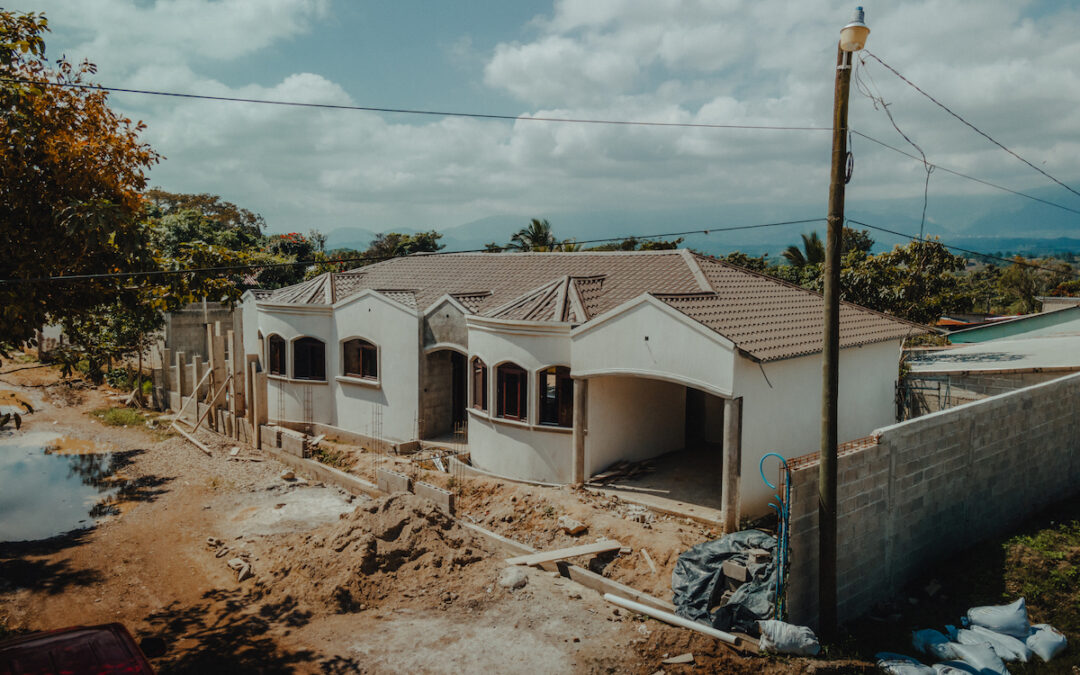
(213, 401)
(560, 554)
(194, 441)
(602, 585)
(186, 403)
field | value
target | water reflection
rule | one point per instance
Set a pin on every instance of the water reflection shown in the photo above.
(50, 485)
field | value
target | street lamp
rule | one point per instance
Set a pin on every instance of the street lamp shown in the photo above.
(852, 39)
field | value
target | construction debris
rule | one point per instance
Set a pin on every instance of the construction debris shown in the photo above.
(622, 470)
(513, 578)
(688, 657)
(648, 560)
(571, 526)
(563, 553)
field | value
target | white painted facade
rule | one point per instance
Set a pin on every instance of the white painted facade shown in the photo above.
(639, 359)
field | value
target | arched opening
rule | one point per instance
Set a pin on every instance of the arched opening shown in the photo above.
(444, 394)
(512, 392)
(275, 355)
(360, 358)
(309, 359)
(555, 397)
(479, 384)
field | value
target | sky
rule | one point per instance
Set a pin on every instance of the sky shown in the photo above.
(1008, 66)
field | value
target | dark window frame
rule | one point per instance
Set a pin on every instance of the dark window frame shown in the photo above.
(555, 397)
(275, 351)
(309, 359)
(366, 357)
(512, 392)
(479, 373)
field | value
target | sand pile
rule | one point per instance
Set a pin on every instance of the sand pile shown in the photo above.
(356, 561)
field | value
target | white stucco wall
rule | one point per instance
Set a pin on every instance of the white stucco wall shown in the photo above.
(633, 418)
(786, 416)
(383, 409)
(649, 339)
(389, 409)
(249, 318)
(518, 450)
(287, 399)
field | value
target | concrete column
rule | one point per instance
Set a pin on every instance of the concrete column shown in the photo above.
(182, 385)
(729, 511)
(250, 368)
(167, 382)
(581, 426)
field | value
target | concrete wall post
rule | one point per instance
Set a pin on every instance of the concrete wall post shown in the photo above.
(581, 427)
(732, 463)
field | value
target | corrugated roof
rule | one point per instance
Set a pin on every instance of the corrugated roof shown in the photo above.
(766, 318)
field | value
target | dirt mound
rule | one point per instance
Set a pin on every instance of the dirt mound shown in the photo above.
(343, 566)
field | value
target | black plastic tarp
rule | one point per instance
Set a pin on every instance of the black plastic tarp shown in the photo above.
(698, 582)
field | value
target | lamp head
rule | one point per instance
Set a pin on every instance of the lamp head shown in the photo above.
(853, 36)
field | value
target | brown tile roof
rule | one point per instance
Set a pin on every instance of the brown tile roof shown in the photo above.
(766, 318)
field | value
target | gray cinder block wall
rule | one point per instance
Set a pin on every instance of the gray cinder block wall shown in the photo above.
(933, 486)
(946, 390)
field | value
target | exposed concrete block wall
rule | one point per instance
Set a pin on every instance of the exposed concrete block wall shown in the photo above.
(186, 329)
(933, 486)
(436, 409)
(939, 391)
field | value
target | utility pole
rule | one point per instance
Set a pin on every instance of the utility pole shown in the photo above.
(852, 39)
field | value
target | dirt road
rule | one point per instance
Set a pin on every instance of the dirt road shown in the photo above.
(412, 595)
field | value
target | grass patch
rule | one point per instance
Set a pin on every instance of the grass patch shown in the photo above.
(120, 417)
(1040, 560)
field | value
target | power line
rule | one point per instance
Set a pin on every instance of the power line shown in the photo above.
(969, 124)
(968, 177)
(408, 111)
(987, 256)
(567, 120)
(374, 259)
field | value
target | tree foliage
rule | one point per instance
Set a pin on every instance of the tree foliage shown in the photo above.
(536, 236)
(71, 176)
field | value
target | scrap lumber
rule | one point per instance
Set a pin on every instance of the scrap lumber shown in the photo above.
(210, 407)
(194, 396)
(562, 553)
(194, 441)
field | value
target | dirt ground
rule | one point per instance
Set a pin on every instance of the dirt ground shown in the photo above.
(338, 583)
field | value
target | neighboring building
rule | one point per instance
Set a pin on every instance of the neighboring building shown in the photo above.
(1064, 321)
(944, 378)
(185, 329)
(648, 348)
(1053, 303)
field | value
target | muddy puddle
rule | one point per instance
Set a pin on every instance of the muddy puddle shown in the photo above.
(51, 484)
(12, 402)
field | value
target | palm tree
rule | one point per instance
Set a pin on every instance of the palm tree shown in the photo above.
(814, 252)
(536, 236)
(568, 246)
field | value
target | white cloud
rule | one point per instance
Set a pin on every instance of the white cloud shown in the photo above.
(728, 62)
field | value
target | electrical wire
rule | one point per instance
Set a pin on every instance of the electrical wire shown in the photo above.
(966, 176)
(407, 111)
(977, 254)
(374, 259)
(969, 124)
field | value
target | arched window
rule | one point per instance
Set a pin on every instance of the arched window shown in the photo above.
(479, 384)
(275, 359)
(556, 396)
(360, 359)
(309, 359)
(512, 392)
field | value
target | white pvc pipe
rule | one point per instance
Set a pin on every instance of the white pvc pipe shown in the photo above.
(673, 619)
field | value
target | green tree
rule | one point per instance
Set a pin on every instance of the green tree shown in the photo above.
(635, 244)
(536, 236)
(812, 252)
(1019, 282)
(742, 260)
(395, 244)
(71, 176)
(918, 282)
